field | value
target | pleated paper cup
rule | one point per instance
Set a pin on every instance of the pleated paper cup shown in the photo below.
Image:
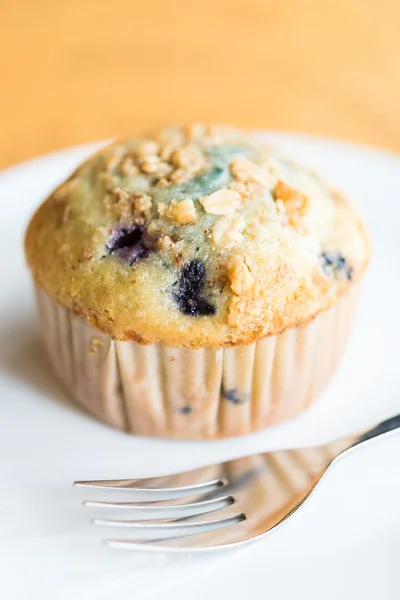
(209, 393)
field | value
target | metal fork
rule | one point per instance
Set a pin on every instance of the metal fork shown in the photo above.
(249, 496)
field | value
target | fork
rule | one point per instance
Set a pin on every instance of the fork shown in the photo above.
(250, 497)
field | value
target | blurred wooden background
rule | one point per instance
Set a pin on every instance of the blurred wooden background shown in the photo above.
(74, 71)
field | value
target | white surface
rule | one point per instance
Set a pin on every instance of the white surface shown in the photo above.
(346, 541)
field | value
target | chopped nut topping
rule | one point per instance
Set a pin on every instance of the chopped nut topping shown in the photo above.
(141, 202)
(239, 275)
(221, 202)
(150, 164)
(122, 203)
(170, 159)
(119, 194)
(227, 231)
(188, 157)
(147, 148)
(163, 182)
(182, 212)
(295, 204)
(180, 176)
(166, 151)
(128, 167)
(244, 169)
(163, 170)
(294, 200)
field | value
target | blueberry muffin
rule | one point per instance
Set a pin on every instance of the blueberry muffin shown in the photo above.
(188, 280)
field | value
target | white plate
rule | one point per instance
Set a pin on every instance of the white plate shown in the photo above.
(345, 540)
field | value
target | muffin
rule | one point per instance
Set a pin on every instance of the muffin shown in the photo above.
(194, 283)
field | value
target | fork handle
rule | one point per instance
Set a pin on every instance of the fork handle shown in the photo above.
(379, 430)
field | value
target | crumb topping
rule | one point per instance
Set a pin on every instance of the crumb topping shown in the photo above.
(221, 202)
(239, 275)
(195, 235)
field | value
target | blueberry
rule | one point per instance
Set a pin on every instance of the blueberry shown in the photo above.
(185, 410)
(334, 263)
(188, 288)
(233, 396)
(130, 245)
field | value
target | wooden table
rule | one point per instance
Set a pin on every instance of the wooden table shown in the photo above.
(80, 70)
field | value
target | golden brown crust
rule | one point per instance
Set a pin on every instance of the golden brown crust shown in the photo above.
(269, 243)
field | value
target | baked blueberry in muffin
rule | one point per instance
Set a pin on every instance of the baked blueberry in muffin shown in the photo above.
(196, 256)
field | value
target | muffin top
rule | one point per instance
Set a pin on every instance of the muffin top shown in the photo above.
(195, 236)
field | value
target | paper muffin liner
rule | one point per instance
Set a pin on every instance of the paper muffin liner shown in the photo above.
(156, 390)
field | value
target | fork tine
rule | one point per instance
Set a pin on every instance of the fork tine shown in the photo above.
(198, 541)
(139, 486)
(157, 531)
(162, 510)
